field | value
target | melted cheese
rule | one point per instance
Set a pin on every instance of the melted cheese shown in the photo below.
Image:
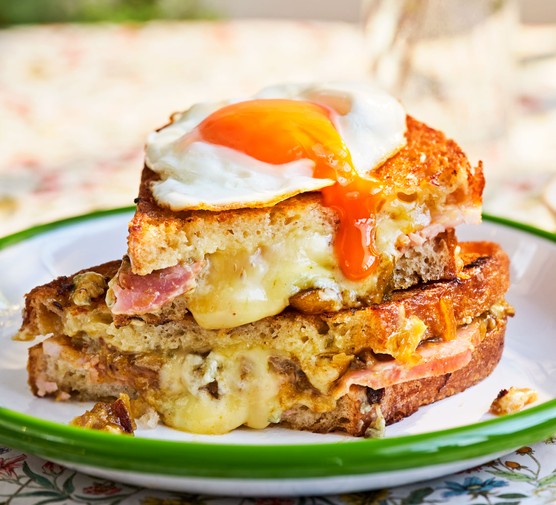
(405, 339)
(258, 283)
(220, 392)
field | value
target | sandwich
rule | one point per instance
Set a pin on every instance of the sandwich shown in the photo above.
(347, 371)
(292, 261)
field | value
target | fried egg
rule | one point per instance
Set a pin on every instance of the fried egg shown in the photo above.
(283, 141)
(257, 152)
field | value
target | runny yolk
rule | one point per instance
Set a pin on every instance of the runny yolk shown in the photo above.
(279, 131)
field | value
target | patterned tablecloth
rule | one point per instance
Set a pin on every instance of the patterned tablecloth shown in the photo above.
(76, 103)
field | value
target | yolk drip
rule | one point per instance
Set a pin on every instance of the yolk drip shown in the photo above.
(279, 131)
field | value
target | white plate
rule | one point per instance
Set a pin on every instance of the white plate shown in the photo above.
(448, 436)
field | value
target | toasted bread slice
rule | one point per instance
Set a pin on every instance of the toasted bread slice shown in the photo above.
(437, 258)
(356, 413)
(265, 372)
(429, 187)
(62, 368)
(429, 169)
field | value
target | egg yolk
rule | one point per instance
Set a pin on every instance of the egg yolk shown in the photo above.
(279, 131)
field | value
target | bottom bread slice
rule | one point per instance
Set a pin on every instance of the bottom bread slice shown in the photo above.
(61, 366)
(355, 413)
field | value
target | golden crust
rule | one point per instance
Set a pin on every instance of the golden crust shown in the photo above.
(431, 159)
(45, 305)
(439, 305)
(355, 413)
(429, 165)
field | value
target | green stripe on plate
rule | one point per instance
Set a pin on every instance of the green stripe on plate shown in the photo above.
(195, 459)
(28, 233)
(362, 456)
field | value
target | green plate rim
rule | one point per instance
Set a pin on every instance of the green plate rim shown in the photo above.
(20, 236)
(294, 461)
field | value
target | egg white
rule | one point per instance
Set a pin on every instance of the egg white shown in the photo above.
(200, 175)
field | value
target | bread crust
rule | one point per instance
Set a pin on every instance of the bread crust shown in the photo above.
(430, 167)
(440, 306)
(46, 305)
(355, 413)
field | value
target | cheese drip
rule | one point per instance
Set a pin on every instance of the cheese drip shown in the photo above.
(286, 141)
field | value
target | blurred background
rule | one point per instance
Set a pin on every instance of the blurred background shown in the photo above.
(61, 11)
(82, 83)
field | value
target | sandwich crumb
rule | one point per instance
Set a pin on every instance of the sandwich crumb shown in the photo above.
(113, 417)
(512, 400)
(377, 428)
(120, 416)
(145, 416)
(87, 287)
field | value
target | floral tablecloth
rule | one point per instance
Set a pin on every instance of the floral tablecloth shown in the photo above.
(76, 103)
(527, 476)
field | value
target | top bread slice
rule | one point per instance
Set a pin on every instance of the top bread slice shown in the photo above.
(430, 169)
(429, 187)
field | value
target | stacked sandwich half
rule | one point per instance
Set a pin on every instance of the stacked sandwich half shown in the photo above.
(293, 261)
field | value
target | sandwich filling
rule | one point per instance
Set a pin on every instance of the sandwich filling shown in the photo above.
(253, 158)
(213, 381)
(258, 152)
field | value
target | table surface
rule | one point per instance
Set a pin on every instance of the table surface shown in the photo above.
(77, 103)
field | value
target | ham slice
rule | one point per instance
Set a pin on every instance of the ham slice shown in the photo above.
(436, 359)
(141, 294)
(444, 220)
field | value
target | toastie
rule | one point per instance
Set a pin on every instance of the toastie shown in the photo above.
(320, 372)
(292, 261)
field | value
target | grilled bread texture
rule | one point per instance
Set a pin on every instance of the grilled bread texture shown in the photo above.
(429, 187)
(303, 368)
(429, 170)
(356, 412)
